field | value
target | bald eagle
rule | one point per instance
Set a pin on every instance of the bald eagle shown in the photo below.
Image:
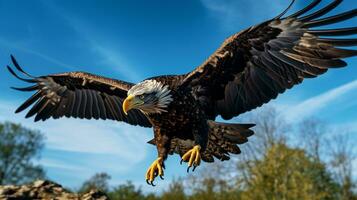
(251, 67)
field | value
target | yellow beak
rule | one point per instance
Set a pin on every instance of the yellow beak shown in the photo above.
(131, 102)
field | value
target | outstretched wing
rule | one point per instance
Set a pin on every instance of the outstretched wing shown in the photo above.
(78, 95)
(255, 65)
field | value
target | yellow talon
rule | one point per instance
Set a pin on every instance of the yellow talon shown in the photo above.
(155, 169)
(193, 157)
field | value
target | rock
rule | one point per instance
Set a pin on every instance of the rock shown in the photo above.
(43, 189)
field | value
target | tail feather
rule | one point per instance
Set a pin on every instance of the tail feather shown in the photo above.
(223, 139)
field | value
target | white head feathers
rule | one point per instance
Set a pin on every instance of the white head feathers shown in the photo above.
(156, 88)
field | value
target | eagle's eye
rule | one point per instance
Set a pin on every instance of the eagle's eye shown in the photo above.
(142, 97)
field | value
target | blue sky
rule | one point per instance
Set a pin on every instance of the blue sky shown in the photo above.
(132, 40)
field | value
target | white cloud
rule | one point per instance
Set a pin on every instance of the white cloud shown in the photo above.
(311, 106)
(94, 137)
(58, 164)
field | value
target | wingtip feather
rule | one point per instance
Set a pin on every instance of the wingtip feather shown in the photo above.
(322, 11)
(286, 10)
(16, 64)
(306, 9)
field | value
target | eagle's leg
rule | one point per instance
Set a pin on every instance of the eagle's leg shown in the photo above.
(162, 142)
(193, 157)
(155, 169)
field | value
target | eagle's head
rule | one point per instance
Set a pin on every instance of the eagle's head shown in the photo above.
(149, 96)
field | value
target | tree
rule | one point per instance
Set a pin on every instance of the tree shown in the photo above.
(128, 192)
(312, 132)
(341, 162)
(215, 181)
(272, 169)
(98, 181)
(18, 147)
(175, 191)
(270, 129)
(289, 173)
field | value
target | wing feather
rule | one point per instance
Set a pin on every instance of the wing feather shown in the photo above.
(77, 104)
(306, 9)
(102, 108)
(321, 12)
(29, 102)
(255, 65)
(96, 111)
(89, 110)
(78, 95)
(71, 103)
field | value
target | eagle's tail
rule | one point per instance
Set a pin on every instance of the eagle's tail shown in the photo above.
(223, 139)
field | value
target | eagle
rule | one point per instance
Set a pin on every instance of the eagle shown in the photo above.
(248, 70)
